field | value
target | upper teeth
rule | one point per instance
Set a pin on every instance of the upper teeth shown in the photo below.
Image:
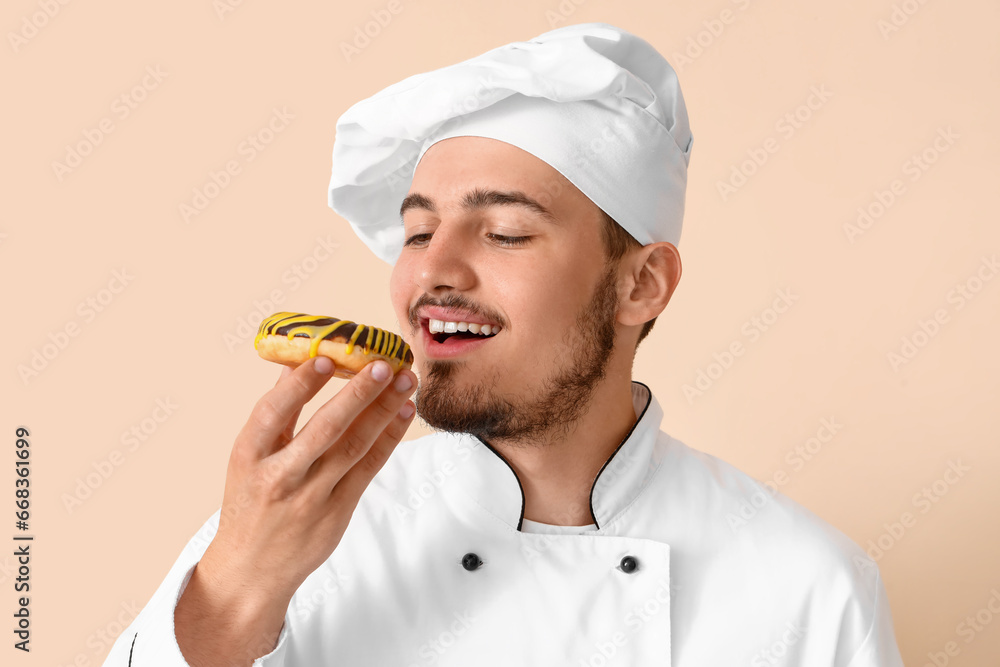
(441, 326)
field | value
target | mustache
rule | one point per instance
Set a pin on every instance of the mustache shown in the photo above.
(453, 301)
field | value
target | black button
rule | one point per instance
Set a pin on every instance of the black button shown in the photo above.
(629, 564)
(471, 561)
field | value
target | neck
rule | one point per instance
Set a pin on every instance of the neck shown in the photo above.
(557, 470)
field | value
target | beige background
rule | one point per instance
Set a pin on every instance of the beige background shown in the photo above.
(225, 68)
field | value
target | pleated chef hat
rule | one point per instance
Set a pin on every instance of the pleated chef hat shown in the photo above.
(598, 104)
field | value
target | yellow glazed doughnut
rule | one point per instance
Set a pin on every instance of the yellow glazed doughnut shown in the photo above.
(292, 338)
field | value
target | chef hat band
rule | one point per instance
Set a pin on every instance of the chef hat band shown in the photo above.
(598, 104)
(598, 147)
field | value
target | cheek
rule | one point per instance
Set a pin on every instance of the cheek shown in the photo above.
(543, 303)
(559, 288)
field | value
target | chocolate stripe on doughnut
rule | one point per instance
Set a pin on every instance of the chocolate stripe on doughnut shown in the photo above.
(320, 328)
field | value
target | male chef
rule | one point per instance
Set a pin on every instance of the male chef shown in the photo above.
(530, 202)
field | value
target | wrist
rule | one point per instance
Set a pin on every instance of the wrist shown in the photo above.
(239, 594)
(217, 615)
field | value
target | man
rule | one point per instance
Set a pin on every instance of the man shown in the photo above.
(540, 187)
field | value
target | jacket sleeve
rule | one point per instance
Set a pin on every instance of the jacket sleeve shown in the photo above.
(879, 648)
(150, 640)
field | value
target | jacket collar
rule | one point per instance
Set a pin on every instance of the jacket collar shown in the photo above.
(488, 479)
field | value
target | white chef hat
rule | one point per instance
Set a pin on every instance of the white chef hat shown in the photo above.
(598, 104)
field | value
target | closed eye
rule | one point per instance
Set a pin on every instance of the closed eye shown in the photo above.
(500, 239)
(417, 239)
(509, 241)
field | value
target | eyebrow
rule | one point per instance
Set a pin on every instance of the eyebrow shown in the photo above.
(478, 199)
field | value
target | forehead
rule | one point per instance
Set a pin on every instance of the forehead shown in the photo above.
(451, 168)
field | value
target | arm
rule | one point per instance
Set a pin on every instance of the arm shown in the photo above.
(287, 502)
(879, 648)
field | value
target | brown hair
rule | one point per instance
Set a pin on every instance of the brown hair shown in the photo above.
(617, 242)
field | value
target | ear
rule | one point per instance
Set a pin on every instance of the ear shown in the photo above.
(647, 279)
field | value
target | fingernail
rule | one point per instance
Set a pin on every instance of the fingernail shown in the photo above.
(323, 365)
(406, 411)
(381, 371)
(403, 383)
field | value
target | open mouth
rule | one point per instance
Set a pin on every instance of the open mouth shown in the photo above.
(442, 330)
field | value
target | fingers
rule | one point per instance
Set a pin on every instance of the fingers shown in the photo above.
(343, 430)
(289, 431)
(351, 485)
(277, 410)
(390, 410)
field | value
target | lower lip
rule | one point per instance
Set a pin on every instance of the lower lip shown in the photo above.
(452, 347)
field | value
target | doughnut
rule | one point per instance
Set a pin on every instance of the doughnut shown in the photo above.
(293, 338)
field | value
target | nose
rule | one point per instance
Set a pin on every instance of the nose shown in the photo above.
(445, 263)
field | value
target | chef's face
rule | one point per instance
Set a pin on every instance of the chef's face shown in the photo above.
(511, 310)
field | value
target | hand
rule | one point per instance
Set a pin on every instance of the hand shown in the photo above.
(287, 502)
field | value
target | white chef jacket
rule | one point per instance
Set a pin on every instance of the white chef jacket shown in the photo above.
(689, 563)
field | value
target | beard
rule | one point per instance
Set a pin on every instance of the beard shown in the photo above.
(551, 409)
